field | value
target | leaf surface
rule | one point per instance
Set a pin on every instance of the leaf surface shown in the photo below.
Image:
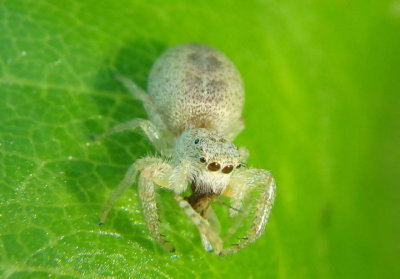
(322, 113)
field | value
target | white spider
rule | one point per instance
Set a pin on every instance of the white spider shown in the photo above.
(194, 103)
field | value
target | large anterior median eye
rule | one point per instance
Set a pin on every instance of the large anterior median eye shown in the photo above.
(214, 166)
(227, 169)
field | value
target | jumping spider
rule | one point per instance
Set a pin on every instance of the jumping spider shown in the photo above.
(194, 103)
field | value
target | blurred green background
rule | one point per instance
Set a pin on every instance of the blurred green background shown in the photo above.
(322, 113)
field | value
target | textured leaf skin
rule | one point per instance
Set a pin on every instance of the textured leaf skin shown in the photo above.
(322, 113)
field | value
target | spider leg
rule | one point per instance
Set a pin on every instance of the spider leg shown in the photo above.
(214, 224)
(235, 129)
(241, 184)
(151, 131)
(129, 178)
(152, 111)
(136, 92)
(203, 226)
(244, 154)
(156, 171)
(149, 205)
(151, 170)
(155, 129)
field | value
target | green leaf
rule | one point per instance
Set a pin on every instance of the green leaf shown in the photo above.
(322, 113)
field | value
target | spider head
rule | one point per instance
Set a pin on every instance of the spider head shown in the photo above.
(212, 157)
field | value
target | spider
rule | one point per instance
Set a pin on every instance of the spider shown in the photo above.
(194, 103)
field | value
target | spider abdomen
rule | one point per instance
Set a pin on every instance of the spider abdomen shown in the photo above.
(196, 86)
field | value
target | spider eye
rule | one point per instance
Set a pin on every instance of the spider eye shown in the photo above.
(227, 169)
(238, 166)
(196, 141)
(214, 166)
(202, 159)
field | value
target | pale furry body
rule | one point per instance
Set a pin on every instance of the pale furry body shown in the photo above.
(194, 105)
(194, 86)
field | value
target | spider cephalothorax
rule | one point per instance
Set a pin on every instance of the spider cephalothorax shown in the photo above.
(212, 158)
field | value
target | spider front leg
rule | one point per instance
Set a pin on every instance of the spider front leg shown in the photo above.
(152, 170)
(241, 184)
(150, 174)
